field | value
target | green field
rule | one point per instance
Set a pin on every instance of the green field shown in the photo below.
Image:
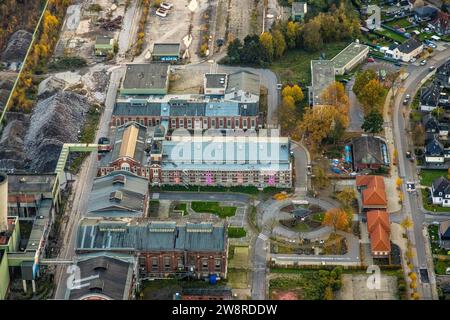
(214, 208)
(295, 65)
(428, 176)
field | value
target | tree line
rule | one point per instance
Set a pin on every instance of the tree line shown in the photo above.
(312, 35)
(23, 96)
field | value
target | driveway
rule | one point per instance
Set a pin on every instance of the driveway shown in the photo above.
(355, 112)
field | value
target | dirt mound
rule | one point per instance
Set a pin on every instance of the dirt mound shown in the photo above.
(50, 86)
(11, 142)
(55, 121)
(17, 46)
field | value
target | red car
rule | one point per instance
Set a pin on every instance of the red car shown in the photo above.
(370, 60)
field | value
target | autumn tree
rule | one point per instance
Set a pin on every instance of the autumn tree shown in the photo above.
(407, 223)
(292, 33)
(347, 196)
(336, 218)
(287, 115)
(320, 178)
(320, 121)
(335, 95)
(293, 91)
(279, 43)
(312, 38)
(372, 96)
(266, 40)
(362, 78)
(373, 123)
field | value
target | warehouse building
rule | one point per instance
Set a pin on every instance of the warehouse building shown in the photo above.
(146, 79)
(163, 248)
(322, 76)
(166, 52)
(354, 54)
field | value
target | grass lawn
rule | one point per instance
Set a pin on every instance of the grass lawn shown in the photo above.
(236, 232)
(295, 65)
(318, 216)
(301, 227)
(402, 23)
(181, 207)
(239, 257)
(213, 207)
(392, 35)
(238, 278)
(427, 176)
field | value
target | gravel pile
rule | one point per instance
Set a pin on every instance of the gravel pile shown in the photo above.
(17, 46)
(55, 121)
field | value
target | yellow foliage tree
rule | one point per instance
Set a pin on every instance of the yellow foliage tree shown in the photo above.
(335, 95)
(337, 219)
(266, 40)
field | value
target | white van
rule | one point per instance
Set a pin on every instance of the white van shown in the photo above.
(435, 38)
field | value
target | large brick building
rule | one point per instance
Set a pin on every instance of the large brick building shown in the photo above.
(229, 102)
(210, 159)
(163, 248)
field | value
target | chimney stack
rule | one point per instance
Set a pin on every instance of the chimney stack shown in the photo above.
(3, 202)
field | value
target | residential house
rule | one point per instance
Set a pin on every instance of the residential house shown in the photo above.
(440, 191)
(425, 13)
(443, 75)
(299, 9)
(429, 97)
(441, 24)
(369, 153)
(373, 192)
(434, 152)
(430, 124)
(378, 226)
(409, 49)
(444, 234)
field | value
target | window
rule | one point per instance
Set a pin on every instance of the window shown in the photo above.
(181, 123)
(167, 263)
(218, 264)
(244, 123)
(221, 123)
(173, 123)
(213, 123)
(204, 264)
(180, 263)
(117, 122)
(154, 264)
(236, 123)
(205, 123)
(189, 123)
(228, 123)
(253, 123)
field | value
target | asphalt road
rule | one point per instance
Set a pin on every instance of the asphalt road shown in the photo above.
(356, 114)
(407, 170)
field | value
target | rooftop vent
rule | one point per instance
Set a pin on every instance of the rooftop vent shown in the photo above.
(116, 196)
(119, 179)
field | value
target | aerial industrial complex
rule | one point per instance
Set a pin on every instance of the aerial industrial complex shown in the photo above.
(237, 150)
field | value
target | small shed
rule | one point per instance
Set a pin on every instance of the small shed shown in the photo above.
(104, 45)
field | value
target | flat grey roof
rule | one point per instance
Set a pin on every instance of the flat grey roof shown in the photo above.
(244, 81)
(298, 7)
(166, 49)
(103, 40)
(322, 75)
(30, 183)
(216, 80)
(346, 55)
(146, 76)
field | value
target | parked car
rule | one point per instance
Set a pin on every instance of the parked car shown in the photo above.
(161, 13)
(431, 68)
(410, 187)
(413, 60)
(370, 59)
(405, 102)
(166, 5)
(423, 62)
(408, 96)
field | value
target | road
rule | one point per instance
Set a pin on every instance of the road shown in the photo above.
(407, 171)
(356, 114)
